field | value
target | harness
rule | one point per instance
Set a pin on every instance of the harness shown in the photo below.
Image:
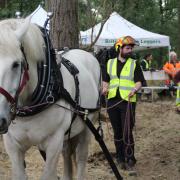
(49, 89)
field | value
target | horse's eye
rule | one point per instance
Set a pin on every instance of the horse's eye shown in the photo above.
(15, 65)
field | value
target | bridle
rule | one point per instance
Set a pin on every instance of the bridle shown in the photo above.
(23, 80)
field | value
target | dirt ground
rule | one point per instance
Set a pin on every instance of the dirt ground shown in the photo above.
(157, 137)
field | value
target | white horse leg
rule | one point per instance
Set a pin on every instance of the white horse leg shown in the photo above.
(54, 148)
(17, 158)
(82, 153)
(78, 147)
(67, 152)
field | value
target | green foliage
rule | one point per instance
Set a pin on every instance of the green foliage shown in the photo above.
(24, 6)
(83, 19)
(89, 18)
(159, 16)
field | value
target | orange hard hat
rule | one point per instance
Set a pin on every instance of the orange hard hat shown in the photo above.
(125, 40)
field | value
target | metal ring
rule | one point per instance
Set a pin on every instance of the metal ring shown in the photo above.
(50, 99)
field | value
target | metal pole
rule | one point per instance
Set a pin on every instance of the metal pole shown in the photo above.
(159, 87)
(103, 147)
(169, 49)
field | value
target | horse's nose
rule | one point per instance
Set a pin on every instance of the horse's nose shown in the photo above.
(3, 125)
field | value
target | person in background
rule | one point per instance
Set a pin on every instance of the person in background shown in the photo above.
(172, 67)
(177, 81)
(146, 66)
(146, 62)
(122, 78)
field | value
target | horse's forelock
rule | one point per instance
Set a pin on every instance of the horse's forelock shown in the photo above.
(9, 46)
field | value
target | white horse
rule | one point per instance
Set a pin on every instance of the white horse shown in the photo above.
(46, 129)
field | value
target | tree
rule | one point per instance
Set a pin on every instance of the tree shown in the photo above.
(9, 7)
(64, 25)
(3, 3)
(159, 16)
(94, 13)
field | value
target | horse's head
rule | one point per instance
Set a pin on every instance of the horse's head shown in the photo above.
(11, 68)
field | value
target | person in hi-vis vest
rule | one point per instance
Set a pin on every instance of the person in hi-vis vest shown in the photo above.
(177, 81)
(122, 78)
(146, 65)
(146, 62)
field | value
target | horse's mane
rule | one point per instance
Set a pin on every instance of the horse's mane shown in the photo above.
(105, 54)
(32, 41)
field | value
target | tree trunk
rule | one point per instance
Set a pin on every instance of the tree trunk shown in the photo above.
(64, 25)
(3, 3)
(161, 10)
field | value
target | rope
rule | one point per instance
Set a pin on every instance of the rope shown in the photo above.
(106, 115)
(108, 128)
(127, 126)
(34, 106)
(110, 107)
(47, 103)
(127, 130)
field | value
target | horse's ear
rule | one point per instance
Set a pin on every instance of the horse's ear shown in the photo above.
(21, 31)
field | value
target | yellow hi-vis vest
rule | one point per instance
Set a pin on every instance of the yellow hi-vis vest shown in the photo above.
(147, 64)
(178, 95)
(126, 81)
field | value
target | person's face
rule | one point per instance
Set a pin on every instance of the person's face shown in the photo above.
(126, 51)
(150, 58)
(174, 58)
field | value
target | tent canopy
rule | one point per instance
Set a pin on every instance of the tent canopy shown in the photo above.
(116, 27)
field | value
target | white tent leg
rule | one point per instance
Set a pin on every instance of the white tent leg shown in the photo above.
(169, 49)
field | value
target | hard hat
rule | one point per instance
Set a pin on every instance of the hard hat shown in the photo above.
(125, 40)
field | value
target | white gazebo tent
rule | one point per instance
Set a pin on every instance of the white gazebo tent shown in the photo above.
(115, 27)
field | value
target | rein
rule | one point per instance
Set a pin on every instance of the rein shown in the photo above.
(23, 80)
(8, 96)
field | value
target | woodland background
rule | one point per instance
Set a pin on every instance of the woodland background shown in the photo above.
(71, 16)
